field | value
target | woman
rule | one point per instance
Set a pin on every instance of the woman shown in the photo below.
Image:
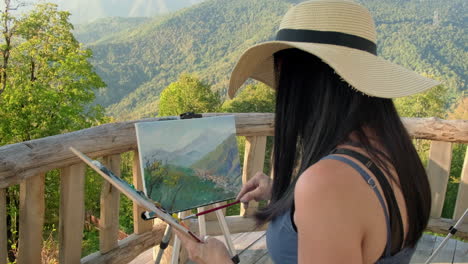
(348, 185)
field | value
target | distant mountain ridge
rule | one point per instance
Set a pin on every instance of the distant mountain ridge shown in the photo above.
(84, 11)
(227, 155)
(104, 28)
(201, 146)
(207, 39)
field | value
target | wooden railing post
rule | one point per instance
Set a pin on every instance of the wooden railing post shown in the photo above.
(254, 158)
(71, 215)
(3, 228)
(139, 225)
(110, 200)
(438, 171)
(31, 219)
(462, 198)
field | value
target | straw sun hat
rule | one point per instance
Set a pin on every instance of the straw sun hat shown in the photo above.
(342, 34)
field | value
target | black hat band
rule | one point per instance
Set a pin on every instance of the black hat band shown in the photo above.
(327, 37)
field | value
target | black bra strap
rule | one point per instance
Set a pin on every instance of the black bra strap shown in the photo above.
(396, 223)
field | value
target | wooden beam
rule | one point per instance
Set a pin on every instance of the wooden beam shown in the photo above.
(129, 247)
(462, 197)
(432, 128)
(3, 227)
(22, 160)
(254, 159)
(71, 222)
(31, 219)
(110, 200)
(236, 224)
(139, 225)
(438, 171)
(442, 225)
(134, 245)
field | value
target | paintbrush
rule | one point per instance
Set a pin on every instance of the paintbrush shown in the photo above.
(209, 211)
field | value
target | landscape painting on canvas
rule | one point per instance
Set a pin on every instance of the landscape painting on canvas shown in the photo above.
(189, 163)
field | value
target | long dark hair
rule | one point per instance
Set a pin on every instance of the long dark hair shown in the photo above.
(316, 111)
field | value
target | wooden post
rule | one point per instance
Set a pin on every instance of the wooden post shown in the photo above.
(139, 225)
(31, 219)
(71, 222)
(254, 158)
(110, 199)
(3, 228)
(438, 171)
(462, 197)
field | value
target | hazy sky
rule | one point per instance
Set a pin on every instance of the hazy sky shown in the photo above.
(84, 11)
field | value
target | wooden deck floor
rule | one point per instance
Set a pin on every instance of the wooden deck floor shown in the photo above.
(252, 249)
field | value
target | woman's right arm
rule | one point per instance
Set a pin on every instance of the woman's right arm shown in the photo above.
(258, 188)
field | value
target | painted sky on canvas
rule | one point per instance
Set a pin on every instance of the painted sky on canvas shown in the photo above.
(176, 134)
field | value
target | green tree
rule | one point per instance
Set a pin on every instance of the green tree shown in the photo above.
(257, 98)
(50, 81)
(431, 103)
(254, 98)
(46, 88)
(188, 94)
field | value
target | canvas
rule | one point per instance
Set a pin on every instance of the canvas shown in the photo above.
(189, 163)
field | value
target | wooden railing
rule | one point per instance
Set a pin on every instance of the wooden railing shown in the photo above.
(26, 164)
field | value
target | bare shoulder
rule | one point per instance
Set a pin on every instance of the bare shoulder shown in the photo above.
(328, 213)
(329, 177)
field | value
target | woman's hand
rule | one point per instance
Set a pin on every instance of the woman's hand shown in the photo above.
(258, 188)
(210, 251)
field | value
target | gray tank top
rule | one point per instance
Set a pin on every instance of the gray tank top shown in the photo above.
(281, 235)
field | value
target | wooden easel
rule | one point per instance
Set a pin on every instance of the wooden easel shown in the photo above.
(202, 233)
(201, 219)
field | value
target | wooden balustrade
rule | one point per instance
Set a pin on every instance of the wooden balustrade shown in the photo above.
(26, 163)
(462, 197)
(254, 158)
(438, 171)
(71, 213)
(110, 201)
(139, 225)
(31, 213)
(3, 227)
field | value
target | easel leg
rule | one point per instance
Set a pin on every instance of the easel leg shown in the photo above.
(201, 223)
(225, 230)
(164, 244)
(176, 248)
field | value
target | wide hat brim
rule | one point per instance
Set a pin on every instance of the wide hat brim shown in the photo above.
(364, 71)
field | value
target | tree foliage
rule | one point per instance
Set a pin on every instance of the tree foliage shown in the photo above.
(50, 81)
(208, 39)
(253, 98)
(460, 110)
(188, 94)
(46, 88)
(431, 103)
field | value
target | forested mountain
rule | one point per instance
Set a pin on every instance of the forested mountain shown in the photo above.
(105, 28)
(140, 60)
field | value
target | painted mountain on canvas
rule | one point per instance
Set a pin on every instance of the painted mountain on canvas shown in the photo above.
(189, 163)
